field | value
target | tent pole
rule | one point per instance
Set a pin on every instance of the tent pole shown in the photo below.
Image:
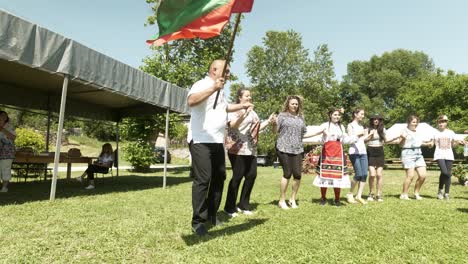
(117, 135)
(165, 148)
(59, 138)
(48, 123)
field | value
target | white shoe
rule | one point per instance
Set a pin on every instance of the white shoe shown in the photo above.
(350, 198)
(231, 214)
(247, 212)
(440, 195)
(90, 187)
(371, 197)
(4, 189)
(446, 197)
(293, 204)
(283, 205)
(79, 179)
(404, 197)
(417, 196)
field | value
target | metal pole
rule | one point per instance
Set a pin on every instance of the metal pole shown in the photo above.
(59, 138)
(117, 154)
(165, 148)
(48, 123)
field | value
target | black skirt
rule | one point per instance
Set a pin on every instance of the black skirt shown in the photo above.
(376, 156)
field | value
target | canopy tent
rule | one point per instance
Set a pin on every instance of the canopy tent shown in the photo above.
(40, 69)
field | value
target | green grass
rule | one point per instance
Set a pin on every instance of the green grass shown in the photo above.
(131, 219)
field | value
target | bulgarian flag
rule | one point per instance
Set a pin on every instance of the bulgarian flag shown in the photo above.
(186, 19)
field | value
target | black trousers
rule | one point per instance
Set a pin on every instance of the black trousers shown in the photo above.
(93, 168)
(445, 174)
(241, 166)
(209, 171)
(291, 163)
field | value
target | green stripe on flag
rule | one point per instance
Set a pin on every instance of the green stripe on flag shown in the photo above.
(174, 14)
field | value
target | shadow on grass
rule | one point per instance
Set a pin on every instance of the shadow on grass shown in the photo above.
(463, 210)
(194, 239)
(23, 192)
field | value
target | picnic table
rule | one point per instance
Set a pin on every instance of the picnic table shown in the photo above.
(29, 161)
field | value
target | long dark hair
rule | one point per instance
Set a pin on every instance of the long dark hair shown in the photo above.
(380, 127)
(330, 112)
(7, 117)
(356, 111)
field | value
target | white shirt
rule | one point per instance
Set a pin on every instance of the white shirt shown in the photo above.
(335, 132)
(443, 144)
(207, 125)
(359, 147)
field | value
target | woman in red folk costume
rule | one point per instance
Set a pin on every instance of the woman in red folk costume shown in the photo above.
(332, 171)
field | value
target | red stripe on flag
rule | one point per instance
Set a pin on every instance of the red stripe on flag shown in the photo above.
(242, 6)
(207, 26)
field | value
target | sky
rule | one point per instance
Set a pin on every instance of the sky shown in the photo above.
(352, 29)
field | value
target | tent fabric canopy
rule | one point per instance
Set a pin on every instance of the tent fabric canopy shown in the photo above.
(34, 61)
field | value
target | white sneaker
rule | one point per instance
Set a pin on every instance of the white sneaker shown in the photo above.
(79, 179)
(371, 197)
(4, 189)
(231, 214)
(247, 212)
(446, 196)
(90, 187)
(404, 197)
(293, 204)
(417, 196)
(440, 195)
(283, 205)
(350, 198)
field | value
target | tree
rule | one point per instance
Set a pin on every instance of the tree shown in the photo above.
(375, 84)
(282, 67)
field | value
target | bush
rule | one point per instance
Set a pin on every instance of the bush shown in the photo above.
(460, 172)
(26, 137)
(267, 144)
(139, 154)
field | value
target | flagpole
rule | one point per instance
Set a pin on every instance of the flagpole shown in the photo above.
(228, 55)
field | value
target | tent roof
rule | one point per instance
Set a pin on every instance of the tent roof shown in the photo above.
(34, 61)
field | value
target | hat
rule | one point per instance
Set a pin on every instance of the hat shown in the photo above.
(442, 118)
(376, 116)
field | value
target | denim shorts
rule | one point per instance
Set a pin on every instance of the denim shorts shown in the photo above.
(412, 158)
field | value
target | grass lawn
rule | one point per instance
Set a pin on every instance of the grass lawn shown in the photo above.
(131, 219)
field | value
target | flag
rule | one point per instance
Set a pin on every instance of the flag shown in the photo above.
(179, 19)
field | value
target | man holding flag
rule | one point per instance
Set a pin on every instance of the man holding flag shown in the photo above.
(186, 19)
(206, 139)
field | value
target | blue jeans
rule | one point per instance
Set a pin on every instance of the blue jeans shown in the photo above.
(360, 165)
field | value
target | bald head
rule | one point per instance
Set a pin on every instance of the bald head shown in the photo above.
(216, 69)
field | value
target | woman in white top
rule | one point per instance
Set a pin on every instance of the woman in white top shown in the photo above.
(412, 158)
(7, 150)
(443, 154)
(358, 156)
(102, 165)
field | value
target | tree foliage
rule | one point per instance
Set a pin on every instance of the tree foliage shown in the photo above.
(402, 82)
(282, 67)
(376, 84)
